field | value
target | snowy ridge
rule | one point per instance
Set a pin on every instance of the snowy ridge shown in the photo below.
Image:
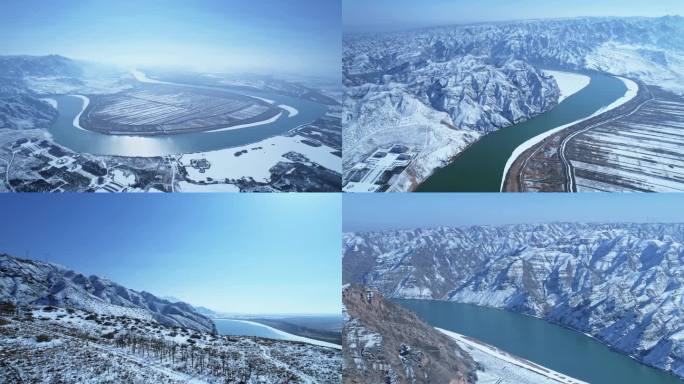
(30, 282)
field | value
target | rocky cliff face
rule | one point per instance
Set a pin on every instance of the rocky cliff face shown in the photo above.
(385, 343)
(622, 283)
(30, 282)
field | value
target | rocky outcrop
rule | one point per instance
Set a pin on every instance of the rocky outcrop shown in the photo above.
(385, 343)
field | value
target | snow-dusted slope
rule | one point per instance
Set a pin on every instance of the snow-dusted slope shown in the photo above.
(20, 108)
(31, 282)
(621, 283)
(25, 112)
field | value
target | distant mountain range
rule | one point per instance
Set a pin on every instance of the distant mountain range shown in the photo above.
(17, 67)
(621, 283)
(31, 282)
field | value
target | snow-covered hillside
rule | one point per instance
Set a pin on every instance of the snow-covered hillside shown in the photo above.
(45, 344)
(30, 282)
(438, 89)
(621, 283)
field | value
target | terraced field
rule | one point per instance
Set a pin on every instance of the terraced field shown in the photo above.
(163, 109)
(640, 152)
(636, 147)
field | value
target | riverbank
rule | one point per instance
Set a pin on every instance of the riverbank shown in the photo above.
(507, 358)
(511, 180)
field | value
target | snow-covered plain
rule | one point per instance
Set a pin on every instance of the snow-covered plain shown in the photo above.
(259, 158)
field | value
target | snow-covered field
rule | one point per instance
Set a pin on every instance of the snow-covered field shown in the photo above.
(258, 159)
(568, 82)
(641, 151)
(630, 93)
(501, 365)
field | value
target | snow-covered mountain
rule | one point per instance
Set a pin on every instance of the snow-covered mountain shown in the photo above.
(20, 107)
(621, 283)
(31, 282)
(439, 89)
(23, 111)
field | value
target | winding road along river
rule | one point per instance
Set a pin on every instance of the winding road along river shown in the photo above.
(563, 350)
(83, 141)
(480, 167)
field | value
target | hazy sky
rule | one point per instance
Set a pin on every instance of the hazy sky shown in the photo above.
(298, 36)
(378, 15)
(364, 212)
(248, 253)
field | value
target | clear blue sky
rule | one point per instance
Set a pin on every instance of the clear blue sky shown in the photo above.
(378, 15)
(247, 253)
(297, 36)
(370, 212)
